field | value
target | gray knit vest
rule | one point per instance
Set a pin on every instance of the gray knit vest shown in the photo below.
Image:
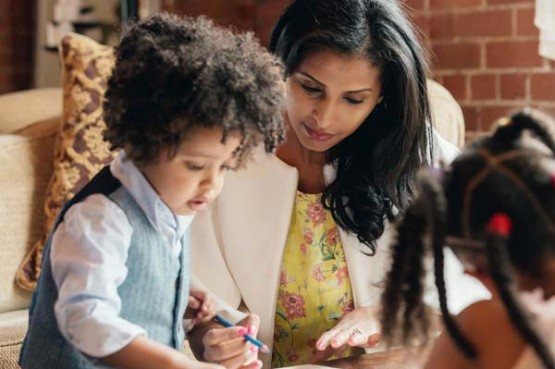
(154, 294)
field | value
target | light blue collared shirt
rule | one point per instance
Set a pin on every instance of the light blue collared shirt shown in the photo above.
(88, 257)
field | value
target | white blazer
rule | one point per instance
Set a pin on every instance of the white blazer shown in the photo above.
(238, 245)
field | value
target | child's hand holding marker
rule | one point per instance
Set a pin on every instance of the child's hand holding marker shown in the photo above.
(201, 307)
(228, 346)
(245, 332)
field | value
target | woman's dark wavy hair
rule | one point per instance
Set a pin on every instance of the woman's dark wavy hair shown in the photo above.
(377, 164)
(506, 173)
(174, 74)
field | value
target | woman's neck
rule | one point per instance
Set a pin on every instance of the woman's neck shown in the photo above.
(309, 163)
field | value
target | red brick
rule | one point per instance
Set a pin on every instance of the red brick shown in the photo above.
(239, 13)
(512, 86)
(196, 7)
(422, 24)
(442, 26)
(244, 15)
(167, 6)
(542, 87)
(497, 2)
(457, 56)
(267, 14)
(442, 4)
(490, 114)
(471, 122)
(272, 9)
(510, 54)
(456, 84)
(483, 87)
(525, 23)
(415, 4)
(484, 23)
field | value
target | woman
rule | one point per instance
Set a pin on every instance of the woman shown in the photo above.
(301, 238)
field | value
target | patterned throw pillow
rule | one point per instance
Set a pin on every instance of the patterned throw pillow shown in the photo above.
(80, 149)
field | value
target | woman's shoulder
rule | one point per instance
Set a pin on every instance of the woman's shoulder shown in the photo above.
(262, 175)
(261, 168)
(262, 161)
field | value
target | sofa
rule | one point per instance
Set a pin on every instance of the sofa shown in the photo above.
(29, 122)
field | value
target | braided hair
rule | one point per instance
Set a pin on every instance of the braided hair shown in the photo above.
(500, 176)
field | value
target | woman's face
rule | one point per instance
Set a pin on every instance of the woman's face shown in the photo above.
(329, 95)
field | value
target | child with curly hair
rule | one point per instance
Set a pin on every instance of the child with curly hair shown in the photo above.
(187, 101)
(495, 208)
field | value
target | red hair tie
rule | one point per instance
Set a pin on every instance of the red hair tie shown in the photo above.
(500, 224)
(553, 180)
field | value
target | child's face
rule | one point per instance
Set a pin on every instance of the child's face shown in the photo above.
(193, 178)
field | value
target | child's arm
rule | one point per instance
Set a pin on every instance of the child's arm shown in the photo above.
(142, 353)
(445, 355)
(88, 260)
(487, 326)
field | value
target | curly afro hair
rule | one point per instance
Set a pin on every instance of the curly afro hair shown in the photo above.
(174, 74)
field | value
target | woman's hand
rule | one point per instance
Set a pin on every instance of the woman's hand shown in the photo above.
(228, 347)
(358, 328)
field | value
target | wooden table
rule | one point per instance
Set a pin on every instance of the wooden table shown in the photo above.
(402, 358)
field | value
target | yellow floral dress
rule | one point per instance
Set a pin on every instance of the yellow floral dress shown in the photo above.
(314, 286)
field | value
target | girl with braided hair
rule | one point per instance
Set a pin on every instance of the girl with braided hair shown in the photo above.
(495, 209)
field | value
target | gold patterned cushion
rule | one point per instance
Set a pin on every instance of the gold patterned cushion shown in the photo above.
(80, 149)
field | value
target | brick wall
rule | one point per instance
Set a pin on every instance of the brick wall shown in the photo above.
(17, 33)
(486, 53)
(483, 51)
(254, 15)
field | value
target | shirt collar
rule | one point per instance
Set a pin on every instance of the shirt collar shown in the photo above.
(157, 212)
